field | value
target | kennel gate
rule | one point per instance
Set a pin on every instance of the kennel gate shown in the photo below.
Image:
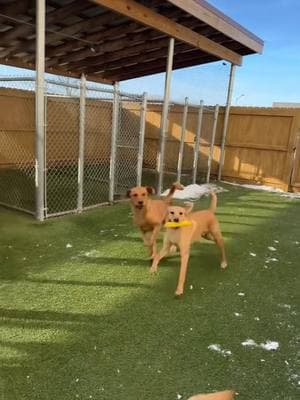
(93, 147)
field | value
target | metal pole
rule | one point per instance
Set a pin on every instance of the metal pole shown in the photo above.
(114, 135)
(197, 141)
(164, 117)
(182, 139)
(226, 119)
(81, 142)
(141, 140)
(213, 137)
(40, 110)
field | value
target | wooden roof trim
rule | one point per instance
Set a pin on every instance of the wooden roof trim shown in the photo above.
(148, 17)
(213, 17)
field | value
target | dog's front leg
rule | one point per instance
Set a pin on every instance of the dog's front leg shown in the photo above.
(153, 240)
(158, 256)
(147, 241)
(184, 259)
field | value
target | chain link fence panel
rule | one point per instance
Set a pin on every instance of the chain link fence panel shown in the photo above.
(128, 135)
(17, 143)
(61, 149)
(97, 146)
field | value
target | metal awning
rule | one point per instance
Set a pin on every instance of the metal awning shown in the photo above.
(115, 40)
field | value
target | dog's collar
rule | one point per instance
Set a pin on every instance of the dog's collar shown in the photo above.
(178, 224)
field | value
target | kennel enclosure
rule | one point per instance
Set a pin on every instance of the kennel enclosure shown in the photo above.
(108, 41)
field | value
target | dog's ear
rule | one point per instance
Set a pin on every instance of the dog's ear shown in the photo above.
(128, 193)
(150, 189)
(188, 207)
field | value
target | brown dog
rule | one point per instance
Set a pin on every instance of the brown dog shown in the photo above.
(149, 214)
(202, 224)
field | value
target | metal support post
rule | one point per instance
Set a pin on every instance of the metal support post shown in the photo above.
(40, 111)
(114, 136)
(212, 144)
(197, 141)
(226, 119)
(164, 117)
(182, 139)
(141, 140)
(81, 142)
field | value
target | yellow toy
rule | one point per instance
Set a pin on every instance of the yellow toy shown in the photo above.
(178, 224)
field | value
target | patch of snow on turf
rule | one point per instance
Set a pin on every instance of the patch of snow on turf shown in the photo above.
(265, 188)
(217, 348)
(237, 314)
(179, 396)
(269, 345)
(68, 246)
(241, 294)
(194, 191)
(271, 248)
(252, 254)
(249, 343)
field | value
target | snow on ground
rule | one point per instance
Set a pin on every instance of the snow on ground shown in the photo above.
(217, 348)
(269, 345)
(194, 191)
(266, 189)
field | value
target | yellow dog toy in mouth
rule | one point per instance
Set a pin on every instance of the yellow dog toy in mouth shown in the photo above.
(177, 224)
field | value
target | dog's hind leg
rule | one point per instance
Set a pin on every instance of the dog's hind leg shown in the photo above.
(218, 238)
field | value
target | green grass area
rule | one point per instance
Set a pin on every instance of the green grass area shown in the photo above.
(81, 318)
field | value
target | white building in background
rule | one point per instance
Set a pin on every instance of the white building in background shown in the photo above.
(285, 105)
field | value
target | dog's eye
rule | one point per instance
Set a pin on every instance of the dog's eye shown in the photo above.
(144, 194)
(135, 195)
(181, 213)
(172, 212)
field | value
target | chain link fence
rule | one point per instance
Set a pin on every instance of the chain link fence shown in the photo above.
(99, 142)
(17, 144)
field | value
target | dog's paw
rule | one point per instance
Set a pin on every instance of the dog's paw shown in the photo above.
(153, 270)
(178, 296)
(178, 293)
(173, 249)
(224, 264)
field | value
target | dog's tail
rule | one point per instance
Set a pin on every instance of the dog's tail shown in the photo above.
(175, 186)
(213, 202)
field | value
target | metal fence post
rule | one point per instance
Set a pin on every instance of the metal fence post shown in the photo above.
(141, 140)
(114, 135)
(197, 141)
(213, 136)
(164, 117)
(182, 139)
(40, 111)
(81, 142)
(226, 119)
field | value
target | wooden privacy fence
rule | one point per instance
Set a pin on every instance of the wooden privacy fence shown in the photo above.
(262, 146)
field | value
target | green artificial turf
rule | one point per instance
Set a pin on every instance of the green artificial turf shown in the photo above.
(81, 318)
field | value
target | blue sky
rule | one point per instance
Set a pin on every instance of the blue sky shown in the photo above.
(272, 76)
